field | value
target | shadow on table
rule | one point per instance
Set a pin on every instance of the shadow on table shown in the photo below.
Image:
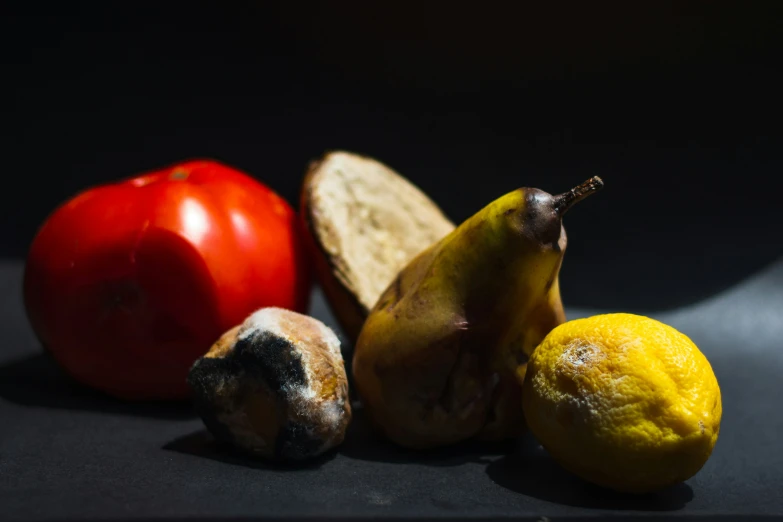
(532, 472)
(362, 442)
(202, 444)
(38, 381)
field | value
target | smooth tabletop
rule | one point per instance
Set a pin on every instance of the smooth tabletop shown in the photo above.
(67, 453)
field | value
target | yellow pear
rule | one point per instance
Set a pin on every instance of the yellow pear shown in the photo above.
(442, 355)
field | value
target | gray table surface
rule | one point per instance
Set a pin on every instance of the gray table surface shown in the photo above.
(69, 454)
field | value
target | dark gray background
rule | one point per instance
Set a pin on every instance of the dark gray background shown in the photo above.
(675, 105)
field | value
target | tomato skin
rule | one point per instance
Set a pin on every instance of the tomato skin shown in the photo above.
(128, 283)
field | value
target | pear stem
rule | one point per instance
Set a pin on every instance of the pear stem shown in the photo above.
(566, 200)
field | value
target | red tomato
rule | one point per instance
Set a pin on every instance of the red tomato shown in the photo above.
(128, 283)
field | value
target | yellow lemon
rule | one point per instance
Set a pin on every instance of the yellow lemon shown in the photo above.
(623, 401)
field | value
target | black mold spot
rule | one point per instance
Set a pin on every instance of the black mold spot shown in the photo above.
(206, 376)
(262, 358)
(271, 359)
(295, 441)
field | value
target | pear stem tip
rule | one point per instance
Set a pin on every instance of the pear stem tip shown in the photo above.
(566, 200)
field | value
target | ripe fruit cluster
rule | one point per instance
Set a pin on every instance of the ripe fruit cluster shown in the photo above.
(195, 283)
